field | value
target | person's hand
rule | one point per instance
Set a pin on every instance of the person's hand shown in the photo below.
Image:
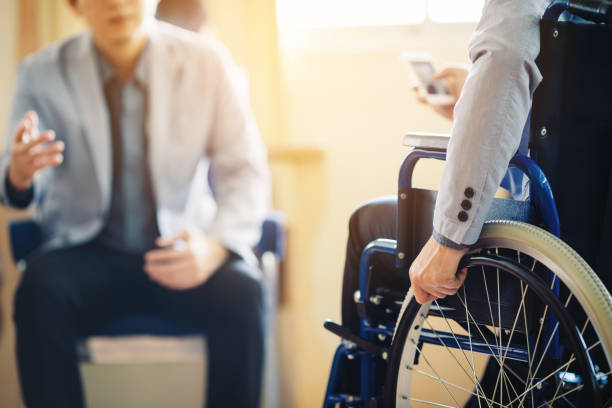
(433, 274)
(31, 152)
(185, 261)
(454, 78)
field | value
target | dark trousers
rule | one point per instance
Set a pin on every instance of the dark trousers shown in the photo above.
(374, 219)
(67, 293)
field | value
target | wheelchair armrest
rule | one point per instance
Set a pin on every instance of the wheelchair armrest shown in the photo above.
(427, 141)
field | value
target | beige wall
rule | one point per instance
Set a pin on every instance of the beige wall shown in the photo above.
(9, 392)
(8, 31)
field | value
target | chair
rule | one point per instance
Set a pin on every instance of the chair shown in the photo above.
(175, 341)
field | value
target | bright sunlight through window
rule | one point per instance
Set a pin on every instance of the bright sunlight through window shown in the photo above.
(355, 13)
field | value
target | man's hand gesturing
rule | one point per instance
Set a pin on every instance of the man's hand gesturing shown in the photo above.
(433, 274)
(31, 152)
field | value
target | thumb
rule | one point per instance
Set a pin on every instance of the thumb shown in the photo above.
(445, 73)
(461, 275)
(420, 295)
(181, 236)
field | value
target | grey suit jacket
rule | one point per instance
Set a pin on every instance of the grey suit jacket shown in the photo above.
(197, 116)
(489, 116)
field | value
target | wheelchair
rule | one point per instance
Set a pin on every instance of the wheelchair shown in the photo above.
(532, 324)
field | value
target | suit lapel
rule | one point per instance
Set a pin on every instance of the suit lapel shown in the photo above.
(86, 86)
(165, 77)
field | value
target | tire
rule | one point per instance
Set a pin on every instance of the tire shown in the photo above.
(585, 291)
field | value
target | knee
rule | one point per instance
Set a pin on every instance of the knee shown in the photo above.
(360, 217)
(39, 295)
(250, 291)
(373, 219)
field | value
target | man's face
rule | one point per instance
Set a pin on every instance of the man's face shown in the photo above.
(112, 21)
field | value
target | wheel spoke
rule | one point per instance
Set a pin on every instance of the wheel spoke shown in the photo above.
(527, 341)
(470, 337)
(430, 403)
(435, 373)
(475, 381)
(426, 374)
(531, 387)
(489, 346)
(521, 306)
(499, 322)
(548, 403)
(491, 350)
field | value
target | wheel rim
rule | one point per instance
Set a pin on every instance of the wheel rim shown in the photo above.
(416, 315)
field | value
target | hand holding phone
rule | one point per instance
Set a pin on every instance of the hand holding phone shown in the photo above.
(434, 91)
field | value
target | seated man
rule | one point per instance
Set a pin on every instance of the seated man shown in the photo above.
(133, 112)
(489, 128)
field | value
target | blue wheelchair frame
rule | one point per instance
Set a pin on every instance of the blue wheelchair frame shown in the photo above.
(542, 198)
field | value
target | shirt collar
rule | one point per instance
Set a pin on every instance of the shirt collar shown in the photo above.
(140, 72)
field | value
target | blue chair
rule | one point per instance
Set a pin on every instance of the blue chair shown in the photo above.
(25, 237)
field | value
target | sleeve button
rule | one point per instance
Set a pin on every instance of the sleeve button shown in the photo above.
(469, 192)
(463, 216)
(466, 204)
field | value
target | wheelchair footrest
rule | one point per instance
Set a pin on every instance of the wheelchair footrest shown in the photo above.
(347, 334)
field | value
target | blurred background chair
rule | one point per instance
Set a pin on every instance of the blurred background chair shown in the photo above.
(144, 360)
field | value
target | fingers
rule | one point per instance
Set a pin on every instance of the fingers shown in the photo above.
(181, 236)
(450, 72)
(444, 74)
(173, 275)
(416, 89)
(53, 160)
(27, 128)
(165, 255)
(42, 151)
(35, 143)
(165, 269)
(461, 275)
(19, 131)
(420, 295)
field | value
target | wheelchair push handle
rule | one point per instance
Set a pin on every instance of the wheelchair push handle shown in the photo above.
(598, 11)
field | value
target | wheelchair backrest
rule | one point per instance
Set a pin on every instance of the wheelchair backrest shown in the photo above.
(571, 133)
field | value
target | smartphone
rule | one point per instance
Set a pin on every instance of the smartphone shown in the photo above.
(422, 71)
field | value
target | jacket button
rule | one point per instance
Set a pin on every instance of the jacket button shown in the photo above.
(466, 204)
(469, 192)
(463, 216)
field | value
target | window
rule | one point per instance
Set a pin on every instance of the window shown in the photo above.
(454, 11)
(355, 13)
(348, 13)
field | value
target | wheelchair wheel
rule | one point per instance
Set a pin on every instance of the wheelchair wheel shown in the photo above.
(531, 327)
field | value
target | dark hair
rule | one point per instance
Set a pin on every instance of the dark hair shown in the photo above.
(187, 14)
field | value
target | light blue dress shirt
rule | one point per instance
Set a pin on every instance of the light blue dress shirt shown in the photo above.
(131, 225)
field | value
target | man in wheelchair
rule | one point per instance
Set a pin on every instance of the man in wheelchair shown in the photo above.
(502, 310)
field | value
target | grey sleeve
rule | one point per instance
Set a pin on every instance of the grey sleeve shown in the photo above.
(239, 160)
(22, 102)
(489, 115)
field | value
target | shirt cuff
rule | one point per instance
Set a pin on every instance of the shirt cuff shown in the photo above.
(442, 240)
(18, 198)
